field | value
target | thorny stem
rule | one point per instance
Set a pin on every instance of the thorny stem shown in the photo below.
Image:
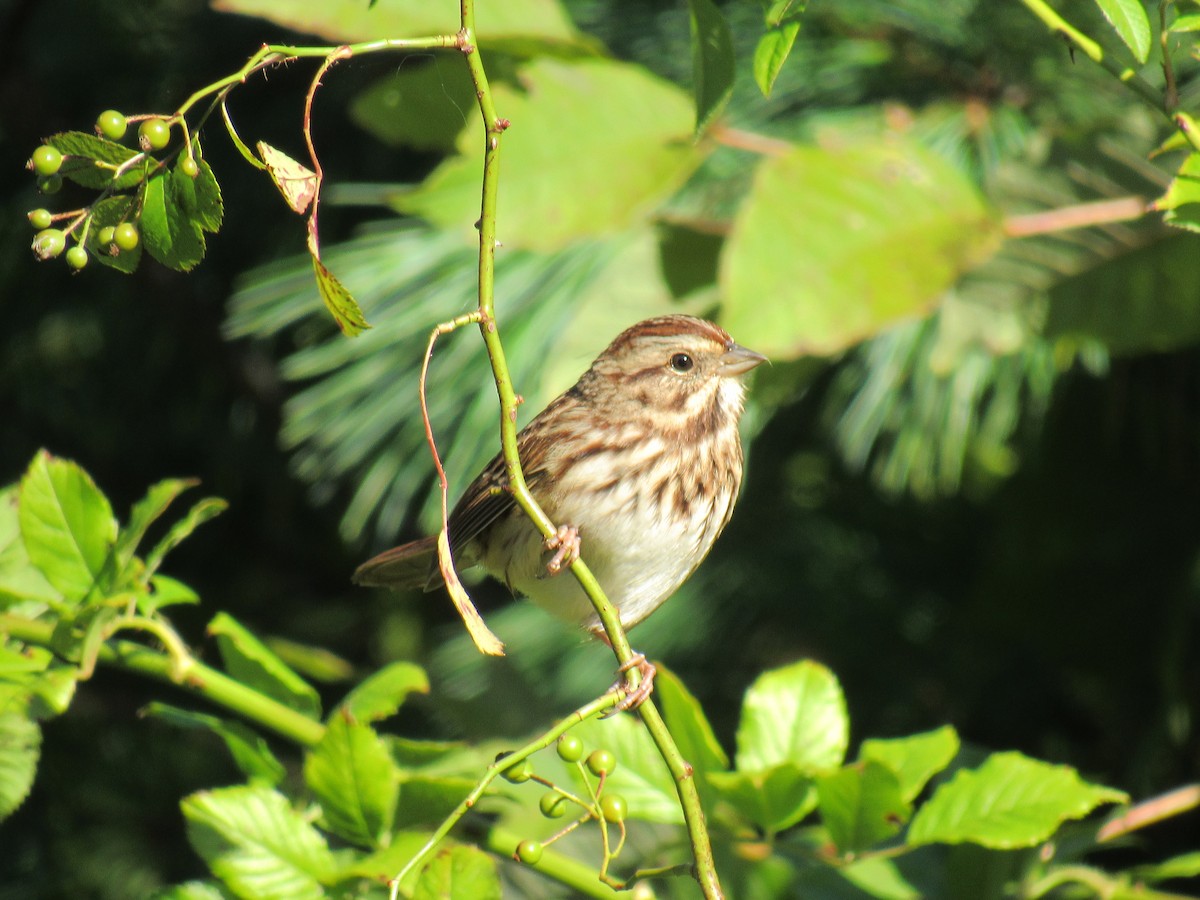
(1123, 73)
(494, 127)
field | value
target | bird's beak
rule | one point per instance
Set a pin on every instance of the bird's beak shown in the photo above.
(736, 360)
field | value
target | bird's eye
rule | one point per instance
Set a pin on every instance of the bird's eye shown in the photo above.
(681, 362)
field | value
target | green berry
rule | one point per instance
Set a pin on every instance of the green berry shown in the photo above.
(189, 167)
(601, 762)
(570, 748)
(40, 218)
(105, 236)
(48, 243)
(529, 852)
(126, 236)
(50, 184)
(46, 160)
(111, 124)
(518, 772)
(77, 257)
(553, 805)
(614, 808)
(154, 134)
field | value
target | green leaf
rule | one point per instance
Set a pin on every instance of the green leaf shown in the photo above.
(1128, 18)
(1186, 865)
(169, 234)
(712, 61)
(773, 799)
(91, 160)
(339, 301)
(833, 246)
(353, 777)
(257, 844)
(914, 759)
(688, 725)
(249, 660)
(571, 120)
(796, 715)
(641, 776)
(879, 878)
(113, 211)
(420, 106)
(521, 23)
(192, 890)
(199, 198)
(78, 638)
(1147, 300)
(1189, 22)
(20, 748)
(861, 805)
(781, 11)
(460, 873)
(425, 800)
(144, 514)
(314, 663)
(772, 52)
(165, 592)
(383, 693)
(201, 512)
(24, 590)
(67, 525)
(1010, 801)
(382, 865)
(249, 750)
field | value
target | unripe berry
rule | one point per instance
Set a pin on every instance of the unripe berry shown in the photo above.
(154, 134)
(40, 218)
(46, 160)
(570, 748)
(553, 805)
(49, 243)
(613, 807)
(77, 257)
(126, 236)
(105, 235)
(601, 762)
(189, 167)
(518, 772)
(111, 124)
(529, 852)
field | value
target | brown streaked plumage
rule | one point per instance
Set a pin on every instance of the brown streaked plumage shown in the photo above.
(641, 456)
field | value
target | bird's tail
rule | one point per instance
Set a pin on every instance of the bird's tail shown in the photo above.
(409, 566)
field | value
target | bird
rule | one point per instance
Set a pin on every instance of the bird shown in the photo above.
(640, 463)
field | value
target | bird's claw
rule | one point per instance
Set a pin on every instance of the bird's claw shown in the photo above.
(634, 696)
(565, 543)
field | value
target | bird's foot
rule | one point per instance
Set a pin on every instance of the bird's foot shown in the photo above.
(634, 696)
(565, 543)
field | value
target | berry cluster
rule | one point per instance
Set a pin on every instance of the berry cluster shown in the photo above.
(109, 227)
(602, 805)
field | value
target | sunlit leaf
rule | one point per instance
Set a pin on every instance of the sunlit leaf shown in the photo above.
(67, 524)
(249, 750)
(861, 805)
(20, 748)
(641, 776)
(572, 122)
(169, 234)
(772, 52)
(295, 181)
(795, 715)
(92, 161)
(459, 873)
(914, 759)
(773, 799)
(833, 246)
(249, 660)
(257, 844)
(1128, 18)
(381, 695)
(1010, 801)
(339, 301)
(352, 775)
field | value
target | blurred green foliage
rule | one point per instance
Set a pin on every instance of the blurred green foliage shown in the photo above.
(982, 517)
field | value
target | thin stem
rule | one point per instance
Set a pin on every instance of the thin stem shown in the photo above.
(1081, 215)
(1096, 54)
(197, 678)
(494, 128)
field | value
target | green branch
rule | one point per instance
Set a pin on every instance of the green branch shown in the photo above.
(193, 676)
(1123, 73)
(494, 128)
